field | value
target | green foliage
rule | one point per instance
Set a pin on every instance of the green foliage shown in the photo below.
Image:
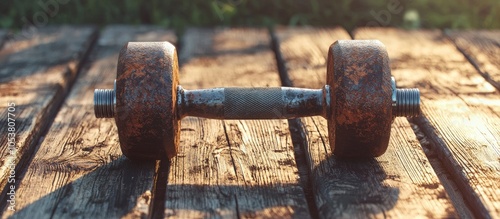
(179, 14)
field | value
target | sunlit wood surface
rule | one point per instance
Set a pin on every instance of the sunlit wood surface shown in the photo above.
(68, 164)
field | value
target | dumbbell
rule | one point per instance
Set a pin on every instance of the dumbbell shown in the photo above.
(359, 100)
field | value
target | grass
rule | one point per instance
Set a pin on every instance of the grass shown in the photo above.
(178, 14)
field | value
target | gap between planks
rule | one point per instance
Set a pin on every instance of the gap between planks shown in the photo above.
(78, 168)
(482, 50)
(226, 132)
(460, 110)
(232, 168)
(38, 84)
(303, 63)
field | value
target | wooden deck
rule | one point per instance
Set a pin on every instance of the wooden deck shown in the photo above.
(444, 164)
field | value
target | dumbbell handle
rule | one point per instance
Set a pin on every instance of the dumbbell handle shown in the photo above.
(258, 103)
(253, 103)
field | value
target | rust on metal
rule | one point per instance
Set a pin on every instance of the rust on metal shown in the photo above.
(360, 118)
(251, 103)
(146, 93)
(207, 103)
(301, 102)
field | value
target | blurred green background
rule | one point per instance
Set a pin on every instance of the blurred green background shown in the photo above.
(179, 14)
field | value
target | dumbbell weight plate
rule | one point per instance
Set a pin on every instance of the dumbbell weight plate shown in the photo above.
(360, 118)
(146, 93)
(359, 121)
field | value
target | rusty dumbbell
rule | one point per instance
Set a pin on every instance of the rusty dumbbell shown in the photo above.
(359, 100)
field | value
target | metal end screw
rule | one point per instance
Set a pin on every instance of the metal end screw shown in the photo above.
(407, 102)
(104, 103)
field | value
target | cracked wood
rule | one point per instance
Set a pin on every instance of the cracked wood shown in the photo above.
(400, 183)
(78, 170)
(232, 168)
(482, 49)
(460, 110)
(36, 74)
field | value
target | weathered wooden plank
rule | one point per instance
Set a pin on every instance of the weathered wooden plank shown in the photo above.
(35, 76)
(460, 111)
(400, 183)
(232, 169)
(79, 170)
(305, 67)
(482, 49)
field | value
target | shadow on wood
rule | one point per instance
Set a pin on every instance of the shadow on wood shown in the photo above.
(118, 198)
(351, 187)
(106, 197)
(355, 188)
(351, 192)
(234, 200)
(50, 48)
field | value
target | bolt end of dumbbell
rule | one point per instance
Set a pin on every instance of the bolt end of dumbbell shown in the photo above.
(407, 102)
(104, 103)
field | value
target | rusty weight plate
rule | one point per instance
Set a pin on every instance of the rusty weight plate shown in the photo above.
(359, 75)
(146, 88)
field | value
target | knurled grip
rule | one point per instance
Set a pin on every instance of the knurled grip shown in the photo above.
(254, 103)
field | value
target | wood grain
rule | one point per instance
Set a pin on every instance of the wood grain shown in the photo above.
(78, 170)
(482, 49)
(306, 66)
(400, 183)
(36, 75)
(460, 110)
(231, 168)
